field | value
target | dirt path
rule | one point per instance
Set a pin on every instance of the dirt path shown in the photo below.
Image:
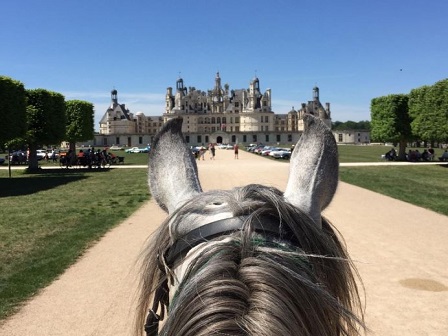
(400, 251)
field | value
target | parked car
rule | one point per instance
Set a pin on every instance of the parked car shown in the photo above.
(2, 160)
(281, 153)
(137, 150)
(267, 150)
(41, 153)
(18, 157)
(225, 146)
(116, 147)
(258, 150)
(257, 147)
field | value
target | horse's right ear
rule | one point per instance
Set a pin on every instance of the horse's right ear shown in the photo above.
(173, 173)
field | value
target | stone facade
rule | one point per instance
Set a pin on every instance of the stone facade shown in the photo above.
(219, 115)
(352, 137)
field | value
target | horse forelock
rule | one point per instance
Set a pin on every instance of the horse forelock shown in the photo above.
(235, 283)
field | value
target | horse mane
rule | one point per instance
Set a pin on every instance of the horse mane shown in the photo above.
(249, 284)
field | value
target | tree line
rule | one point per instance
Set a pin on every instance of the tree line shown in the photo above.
(33, 118)
(421, 115)
(351, 125)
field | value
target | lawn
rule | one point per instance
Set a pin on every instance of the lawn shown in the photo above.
(352, 153)
(47, 221)
(425, 186)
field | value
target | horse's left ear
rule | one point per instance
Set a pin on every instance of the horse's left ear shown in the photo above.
(173, 173)
(313, 171)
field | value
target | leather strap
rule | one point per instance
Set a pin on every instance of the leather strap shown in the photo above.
(267, 225)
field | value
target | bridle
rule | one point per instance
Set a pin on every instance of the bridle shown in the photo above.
(266, 225)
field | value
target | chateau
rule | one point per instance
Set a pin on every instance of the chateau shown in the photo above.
(219, 115)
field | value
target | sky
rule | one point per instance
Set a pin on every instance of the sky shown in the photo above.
(353, 50)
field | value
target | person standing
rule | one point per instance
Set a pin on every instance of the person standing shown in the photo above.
(211, 148)
(235, 150)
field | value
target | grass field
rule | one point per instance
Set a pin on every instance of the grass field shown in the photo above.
(352, 153)
(425, 186)
(47, 221)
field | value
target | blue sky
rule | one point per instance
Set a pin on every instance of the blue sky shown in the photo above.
(353, 50)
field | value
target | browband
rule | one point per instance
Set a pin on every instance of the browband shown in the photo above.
(267, 225)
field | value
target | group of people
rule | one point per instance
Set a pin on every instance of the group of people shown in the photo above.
(89, 158)
(413, 155)
(200, 153)
(416, 155)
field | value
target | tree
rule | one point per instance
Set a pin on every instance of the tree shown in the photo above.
(351, 125)
(428, 107)
(46, 121)
(439, 110)
(13, 105)
(391, 121)
(420, 110)
(80, 121)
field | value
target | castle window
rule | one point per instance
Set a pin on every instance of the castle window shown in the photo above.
(267, 138)
(278, 138)
(254, 137)
(187, 139)
(199, 138)
(244, 138)
(289, 137)
(340, 137)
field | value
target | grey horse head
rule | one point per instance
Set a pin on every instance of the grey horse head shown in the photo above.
(312, 182)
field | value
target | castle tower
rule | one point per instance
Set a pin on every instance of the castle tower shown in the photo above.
(180, 85)
(114, 96)
(316, 93)
(254, 94)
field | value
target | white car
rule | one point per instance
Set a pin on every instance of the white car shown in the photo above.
(225, 146)
(281, 153)
(133, 150)
(116, 147)
(41, 154)
(137, 150)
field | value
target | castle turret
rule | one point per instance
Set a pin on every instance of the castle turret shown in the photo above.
(114, 96)
(180, 85)
(316, 93)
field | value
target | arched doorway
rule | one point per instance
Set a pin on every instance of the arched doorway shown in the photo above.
(219, 139)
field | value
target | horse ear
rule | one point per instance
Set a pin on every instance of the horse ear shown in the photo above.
(173, 173)
(313, 171)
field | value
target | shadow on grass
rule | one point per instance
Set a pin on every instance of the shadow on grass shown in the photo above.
(42, 179)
